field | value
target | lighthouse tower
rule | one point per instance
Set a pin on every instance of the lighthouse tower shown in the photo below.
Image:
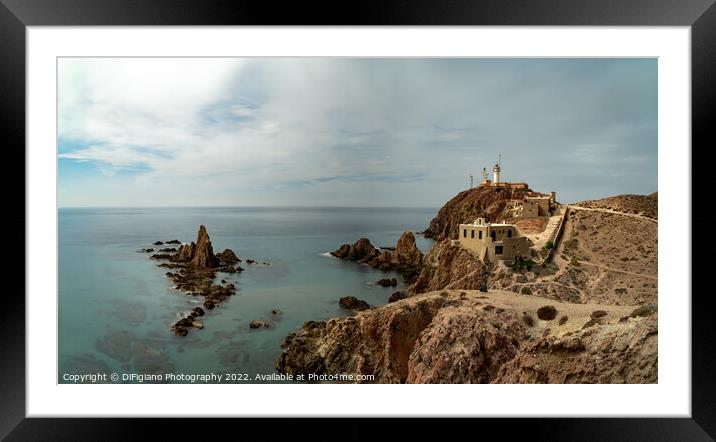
(496, 174)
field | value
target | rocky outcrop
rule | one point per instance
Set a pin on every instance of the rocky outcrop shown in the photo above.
(397, 296)
(353, 303)
(450, 267)
(387, 282)
(406, 254)
(377, 342)
(356, 252)
(404, 257)
(466, 345)
(453, 337)
(204, 254)
(622, 352)
(481, 202)
(196, 266)
(228, 257)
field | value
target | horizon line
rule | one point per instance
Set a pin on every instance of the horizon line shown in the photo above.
(247, 207)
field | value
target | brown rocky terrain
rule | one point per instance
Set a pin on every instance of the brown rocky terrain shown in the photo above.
(448, 267)
(603, 257)
(405, 257)
(620, 353)
(471, 337)
(485, 202)
(644, 205)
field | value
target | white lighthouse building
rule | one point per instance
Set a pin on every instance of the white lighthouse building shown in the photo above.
(496, 174)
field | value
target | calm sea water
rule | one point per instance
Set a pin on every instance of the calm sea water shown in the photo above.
(116, 305)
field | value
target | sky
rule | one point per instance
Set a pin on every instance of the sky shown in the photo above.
(396, 132)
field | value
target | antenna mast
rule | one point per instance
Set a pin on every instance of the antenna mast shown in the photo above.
(470, 181)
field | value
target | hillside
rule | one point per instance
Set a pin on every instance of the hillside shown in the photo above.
(644, 205)
(485, 202)
(603, 257)
(601, 288)
(469, 337)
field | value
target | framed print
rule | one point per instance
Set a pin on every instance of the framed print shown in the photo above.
(456, 210)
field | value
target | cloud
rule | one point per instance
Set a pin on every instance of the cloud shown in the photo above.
(263, 131)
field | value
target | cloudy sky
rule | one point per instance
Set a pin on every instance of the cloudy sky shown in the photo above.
(350, 132)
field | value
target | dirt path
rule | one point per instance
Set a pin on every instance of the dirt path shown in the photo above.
(618, 271)
(633, 215)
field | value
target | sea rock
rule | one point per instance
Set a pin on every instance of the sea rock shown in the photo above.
(158, 243)
(405, 257)
(260, 323)
(353, 303)
(197, 266)
(180, 331)
(228, 256)
(186, 252)
(173, 241)
(357, 251)
(276, 313)
(387, 282)
(406, 253)
(204, 254)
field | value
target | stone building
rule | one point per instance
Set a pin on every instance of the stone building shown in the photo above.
(493, 242)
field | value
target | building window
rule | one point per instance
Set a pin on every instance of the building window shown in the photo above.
(464, 233)
(472, 233)
(509, 233)
(493, 235)
(479, 234)
(498, 250)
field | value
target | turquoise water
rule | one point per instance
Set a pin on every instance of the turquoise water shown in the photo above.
(116, 306)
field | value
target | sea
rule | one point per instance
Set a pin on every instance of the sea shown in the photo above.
(116, 306)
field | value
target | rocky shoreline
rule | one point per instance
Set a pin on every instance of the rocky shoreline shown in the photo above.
(443, 328)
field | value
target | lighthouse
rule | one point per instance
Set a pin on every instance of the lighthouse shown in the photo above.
(496, 174)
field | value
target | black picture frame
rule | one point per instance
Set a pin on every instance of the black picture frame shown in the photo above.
(16, 15)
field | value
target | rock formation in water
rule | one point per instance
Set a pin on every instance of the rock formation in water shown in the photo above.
(203, 253)
(195, 266)
(353, 303)
(405, 257)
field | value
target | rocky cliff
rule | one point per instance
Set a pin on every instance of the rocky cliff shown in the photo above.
(481, 202)
(621, 353)
(450, 267)
(461, 337)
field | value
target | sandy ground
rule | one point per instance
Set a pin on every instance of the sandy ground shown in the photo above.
(578, 314)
